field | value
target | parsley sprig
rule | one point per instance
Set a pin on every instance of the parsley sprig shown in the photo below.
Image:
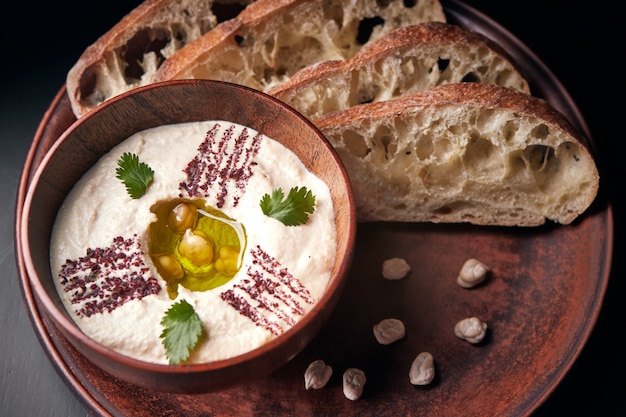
(291, 211)
(182, 331)
(135, 175)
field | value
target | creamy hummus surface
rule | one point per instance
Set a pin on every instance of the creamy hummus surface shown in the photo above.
(109, 283)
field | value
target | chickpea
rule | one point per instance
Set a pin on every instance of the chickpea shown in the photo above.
(422, 371)
(183, 217)
(227, 262)
(472, 273)
(228, 252)
(317, 374)
(226, 266)
(196, 247)
(388, 331)
(353, 383)
(471, 329)
(170, 267)
(395, 268)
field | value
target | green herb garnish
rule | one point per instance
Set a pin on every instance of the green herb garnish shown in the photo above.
(135, 175)
(293, 210)
(182, 331)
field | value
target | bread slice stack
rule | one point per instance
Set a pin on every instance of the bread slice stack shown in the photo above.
(433, 122)
(272, 39)
(254, 43)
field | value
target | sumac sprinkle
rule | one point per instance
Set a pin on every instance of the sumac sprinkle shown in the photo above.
(223, 164)
(106, 278)
(272, 297)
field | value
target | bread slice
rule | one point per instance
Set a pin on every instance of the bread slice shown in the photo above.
(464, 152)
(406, 60)
(272, 39)
(129, 54)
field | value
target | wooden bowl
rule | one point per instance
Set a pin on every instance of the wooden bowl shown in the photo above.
(167, 103)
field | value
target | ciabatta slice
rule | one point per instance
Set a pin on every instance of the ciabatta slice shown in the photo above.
(272, 39)
(406, 60)
(464, 152)
(128, 55)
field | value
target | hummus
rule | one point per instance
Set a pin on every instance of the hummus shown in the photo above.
(109, 282)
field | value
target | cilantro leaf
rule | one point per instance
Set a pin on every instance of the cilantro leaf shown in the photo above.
(292, 211)
(136, 176)
(182, 331)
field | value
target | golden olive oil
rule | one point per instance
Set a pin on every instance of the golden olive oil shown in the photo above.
(195, 245)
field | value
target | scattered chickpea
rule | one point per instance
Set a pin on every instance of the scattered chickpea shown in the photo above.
(388, 331)
(422, 370)
(317, 374)
(172, 269)
(353, 383)
(395, 268)
(472, 273)
(471, 329)
(196, 247)
(183, 217)
(227, 262)
(228, 252)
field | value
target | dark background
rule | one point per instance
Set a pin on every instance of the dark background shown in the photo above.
(580, 43)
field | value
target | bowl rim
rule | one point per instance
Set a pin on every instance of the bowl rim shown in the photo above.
(70, 328)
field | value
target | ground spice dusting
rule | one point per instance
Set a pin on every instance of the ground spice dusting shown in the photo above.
(106, 278)
(246, 309)
(274, 291)
(222, 163)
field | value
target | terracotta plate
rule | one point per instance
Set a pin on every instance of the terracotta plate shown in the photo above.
(540, 301)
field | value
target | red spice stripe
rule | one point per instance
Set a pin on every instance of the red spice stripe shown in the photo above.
(246, 309)
(263, 290)
(213, 165)
(276, 292)
(273, 267)
(199, 165)
(107, 278)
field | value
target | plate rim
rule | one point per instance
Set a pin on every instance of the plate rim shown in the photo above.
(453, 8)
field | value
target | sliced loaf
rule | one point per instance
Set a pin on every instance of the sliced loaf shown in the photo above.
(406, 60)
(128, 55)
(272, 39)
(464, 152)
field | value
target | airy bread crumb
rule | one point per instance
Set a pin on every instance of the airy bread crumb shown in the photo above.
(464, 152)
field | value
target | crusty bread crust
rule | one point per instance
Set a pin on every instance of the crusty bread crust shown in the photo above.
(419, 143)
(464, 152)
(129, 54)
(406, 60)
(272, 39)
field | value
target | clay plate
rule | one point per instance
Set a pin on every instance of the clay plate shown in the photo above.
(541, 302)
